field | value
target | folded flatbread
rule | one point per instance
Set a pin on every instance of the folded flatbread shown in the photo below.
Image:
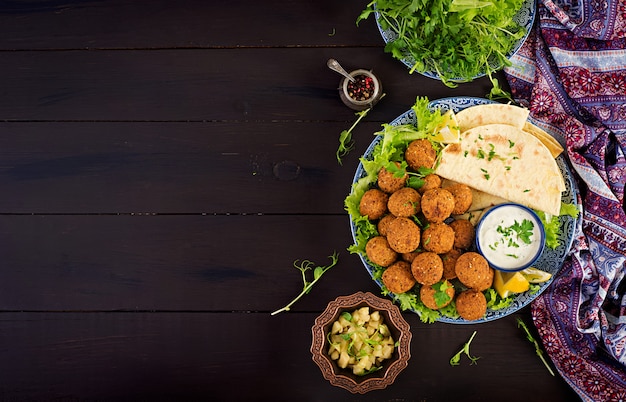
(552, 144)
(499, 113)
(492, 113)
(505, 161)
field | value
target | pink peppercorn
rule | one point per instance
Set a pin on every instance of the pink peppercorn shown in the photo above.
(362, 88)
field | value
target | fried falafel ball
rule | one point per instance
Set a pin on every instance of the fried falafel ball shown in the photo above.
(404, 202)
(403, 235)
(471, 304)
(379, 252)
(464, 233)
(449, 262)
(473, 270)
(427, 295)
(388, 182)
(438, 238)
(373, 204)
(419, 154)
(383, 224)
(430, 181)
(462, 198)
(427, 268)
(409, 257)
(437, 205)
(398, 277)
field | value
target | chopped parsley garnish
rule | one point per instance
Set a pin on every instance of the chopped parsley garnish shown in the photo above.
(441, 297)
(524, 230)
(521, 231)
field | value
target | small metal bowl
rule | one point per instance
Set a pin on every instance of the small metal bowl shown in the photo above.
(399, 328)
(350, 101)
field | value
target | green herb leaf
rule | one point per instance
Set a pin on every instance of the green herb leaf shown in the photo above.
(440, 296)
(456, 359)
(345, 137)
(538, 351)
(318, 271)
(456, 39)
(524, 230)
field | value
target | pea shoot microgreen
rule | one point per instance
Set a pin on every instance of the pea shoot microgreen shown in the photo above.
(538, 351)
(318, 271)
(345, 137)
(456, 359)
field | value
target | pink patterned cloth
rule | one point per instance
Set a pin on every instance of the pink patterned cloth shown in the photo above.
(571, 74)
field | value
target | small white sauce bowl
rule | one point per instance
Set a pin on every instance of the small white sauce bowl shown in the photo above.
(497, 240)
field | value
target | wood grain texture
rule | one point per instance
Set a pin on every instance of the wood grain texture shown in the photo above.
(174, 167)
(171, 262)
(211, 356)
(149, 24)
(277, 84)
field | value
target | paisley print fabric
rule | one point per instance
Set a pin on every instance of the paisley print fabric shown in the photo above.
(571, 74)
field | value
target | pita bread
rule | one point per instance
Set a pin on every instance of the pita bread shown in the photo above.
(506, 162)
(491, 113)
(552, 144)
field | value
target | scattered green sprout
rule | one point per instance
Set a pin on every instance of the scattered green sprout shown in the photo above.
(456, 359)
(522, 324)
(318, 271)
(345, 138)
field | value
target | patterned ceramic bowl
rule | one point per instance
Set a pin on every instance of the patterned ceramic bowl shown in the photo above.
(343, 377)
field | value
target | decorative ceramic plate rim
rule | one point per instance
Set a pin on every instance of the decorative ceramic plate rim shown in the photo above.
(350, 302)
(524, 17)
(550, 260)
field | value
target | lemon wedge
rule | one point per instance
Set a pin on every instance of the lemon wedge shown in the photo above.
(448, 130)
(507, 283)
(534, 275)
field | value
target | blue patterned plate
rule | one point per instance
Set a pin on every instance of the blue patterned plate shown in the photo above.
(524, 17)
(550, 261)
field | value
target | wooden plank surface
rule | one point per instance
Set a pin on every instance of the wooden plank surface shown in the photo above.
(211, 356)
(118, 24)
(171, 262)
(219, 167)
(202, 85)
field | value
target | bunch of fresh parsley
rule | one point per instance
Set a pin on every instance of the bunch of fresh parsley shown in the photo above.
(456, 39)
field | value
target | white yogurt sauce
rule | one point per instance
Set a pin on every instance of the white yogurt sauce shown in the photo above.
(500, 241)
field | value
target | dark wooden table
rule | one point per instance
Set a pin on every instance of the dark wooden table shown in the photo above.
(162, 164)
